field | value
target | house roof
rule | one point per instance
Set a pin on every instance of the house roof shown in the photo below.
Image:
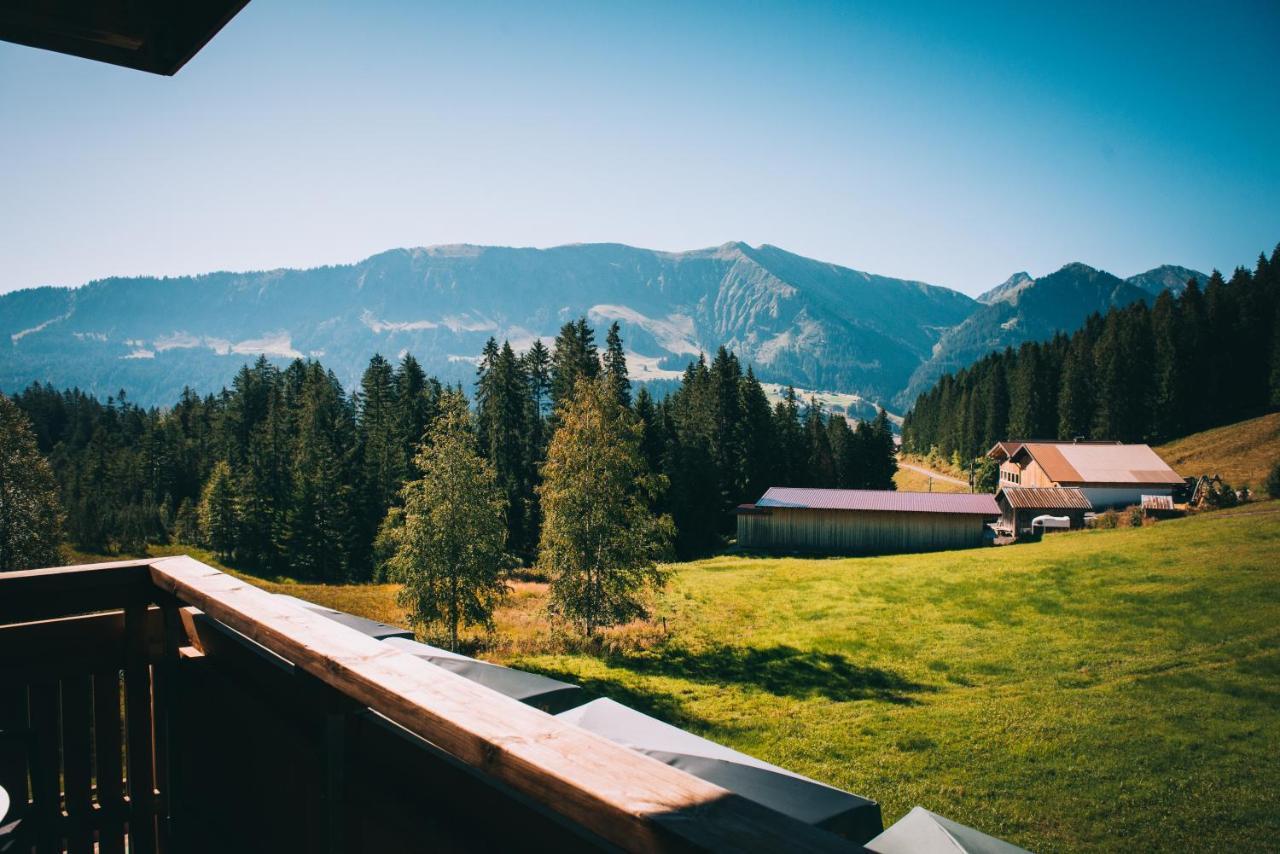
(1044, 498)
(1094, 462)
(879, 499)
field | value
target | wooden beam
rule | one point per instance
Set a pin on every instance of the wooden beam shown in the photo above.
(629, 799)
(72, 645)
(39, 594)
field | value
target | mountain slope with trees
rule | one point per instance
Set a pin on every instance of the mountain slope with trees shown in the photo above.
(285, 473)
(1138, 373)
(1024, 309)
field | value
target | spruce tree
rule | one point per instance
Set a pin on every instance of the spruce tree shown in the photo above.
(574, 356)
(615, 365)
(219, 512)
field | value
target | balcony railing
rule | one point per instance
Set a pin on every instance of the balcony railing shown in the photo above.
(164, 705)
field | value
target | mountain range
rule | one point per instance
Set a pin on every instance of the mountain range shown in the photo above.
(799, 321)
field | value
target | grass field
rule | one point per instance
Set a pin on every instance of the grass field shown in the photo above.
(1241, 453)
(1106, 690)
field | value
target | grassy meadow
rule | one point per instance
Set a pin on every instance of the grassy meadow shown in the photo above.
(1241, 453)
(1102, 690)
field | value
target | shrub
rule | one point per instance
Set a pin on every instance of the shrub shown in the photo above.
(1273, 481)
(1109, 519)
(1134, 517)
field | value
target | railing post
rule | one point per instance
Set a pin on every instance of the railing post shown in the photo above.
(138, 713)
(168, 692)
(336, 734)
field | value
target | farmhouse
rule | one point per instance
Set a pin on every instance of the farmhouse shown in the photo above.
(858, 521)
(1108, 474)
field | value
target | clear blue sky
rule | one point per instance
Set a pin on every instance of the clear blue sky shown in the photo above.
(932, 142)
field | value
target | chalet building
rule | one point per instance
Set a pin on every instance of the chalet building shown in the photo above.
(1108, 474)
(862, 521)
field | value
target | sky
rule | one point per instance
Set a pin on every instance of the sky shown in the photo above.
(924, 141)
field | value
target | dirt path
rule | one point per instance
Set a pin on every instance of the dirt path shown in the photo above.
(933, 474)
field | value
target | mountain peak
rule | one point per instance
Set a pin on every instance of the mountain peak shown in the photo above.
(1170, 277)
(1007, 289)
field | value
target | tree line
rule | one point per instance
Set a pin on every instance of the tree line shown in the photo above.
(1141, 373)
(286, 473)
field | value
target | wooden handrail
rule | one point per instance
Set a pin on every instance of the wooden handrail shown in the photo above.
(624, 797)
(621, 796)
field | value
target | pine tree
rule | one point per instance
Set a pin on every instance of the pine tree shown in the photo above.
(449, 549)
(328, 538)
(1169, 392)
(615, 365)
(600, 539)
(573, 357)
(820, 466)
(219, 512)
(30, 513)
(381, 448)
(1075, 396)
(502, 407)
(793, 449)
(759, 439)
(996, 416)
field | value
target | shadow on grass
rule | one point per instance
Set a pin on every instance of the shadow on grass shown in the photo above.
(781, 670)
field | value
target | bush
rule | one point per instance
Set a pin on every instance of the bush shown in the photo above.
(1273, 481)
(1134, 517)
(1106, 521)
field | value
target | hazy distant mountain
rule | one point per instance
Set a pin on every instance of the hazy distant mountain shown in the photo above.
(1025, 309)
(800, 321)
(1167, 277)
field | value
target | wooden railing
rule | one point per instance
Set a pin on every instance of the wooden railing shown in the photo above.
(250, 723)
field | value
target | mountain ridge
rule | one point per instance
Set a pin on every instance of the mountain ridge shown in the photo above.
(798, 320)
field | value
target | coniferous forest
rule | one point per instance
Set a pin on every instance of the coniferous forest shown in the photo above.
(1138, 374)
(287, 473)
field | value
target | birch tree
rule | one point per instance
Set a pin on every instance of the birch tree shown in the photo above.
(449, 549)
(600, 541)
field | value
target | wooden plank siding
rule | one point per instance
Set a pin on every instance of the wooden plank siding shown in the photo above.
(855, 532)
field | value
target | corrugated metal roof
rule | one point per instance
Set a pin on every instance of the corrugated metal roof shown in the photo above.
(1157, 502)
(1045, 498)
(1091, 462)
(877, 499)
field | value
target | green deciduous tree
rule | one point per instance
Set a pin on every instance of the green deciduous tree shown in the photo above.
(30, 513)
(601, 542)
(450, 549)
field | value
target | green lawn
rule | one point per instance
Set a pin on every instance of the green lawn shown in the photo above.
(1111, 690)
(1107, 690)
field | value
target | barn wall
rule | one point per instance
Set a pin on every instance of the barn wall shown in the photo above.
(1104, 497)
(858, 532)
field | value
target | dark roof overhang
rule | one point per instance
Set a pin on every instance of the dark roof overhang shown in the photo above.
(159, 36)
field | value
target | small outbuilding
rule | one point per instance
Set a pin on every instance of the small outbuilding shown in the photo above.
(1019, 505)
(864, 521)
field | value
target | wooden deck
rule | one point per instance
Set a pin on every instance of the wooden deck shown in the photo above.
(173, 707)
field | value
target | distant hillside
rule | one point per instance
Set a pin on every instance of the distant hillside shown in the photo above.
(1025, 309)
(798, 321)
(1242, 454)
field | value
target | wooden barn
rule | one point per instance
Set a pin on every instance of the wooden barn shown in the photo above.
(862, 521)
